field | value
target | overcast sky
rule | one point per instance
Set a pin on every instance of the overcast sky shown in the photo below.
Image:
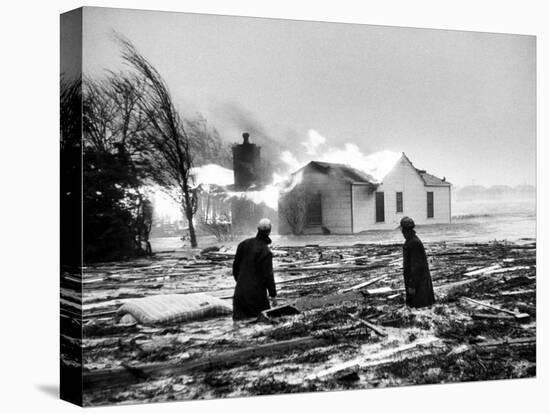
(459, 104)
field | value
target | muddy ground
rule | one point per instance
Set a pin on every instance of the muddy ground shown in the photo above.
(455, 340)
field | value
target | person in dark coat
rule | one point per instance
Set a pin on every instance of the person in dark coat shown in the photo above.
(253, 272)
(418, 282)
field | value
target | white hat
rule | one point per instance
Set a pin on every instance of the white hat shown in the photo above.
(264, 224)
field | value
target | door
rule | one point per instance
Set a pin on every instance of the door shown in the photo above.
(314, 213)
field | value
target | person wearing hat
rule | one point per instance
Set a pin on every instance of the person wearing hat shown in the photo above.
(418, 282)
(253, 272)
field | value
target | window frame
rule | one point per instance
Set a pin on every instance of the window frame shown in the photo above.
(430, 203)
(399, 201)
(377, 208)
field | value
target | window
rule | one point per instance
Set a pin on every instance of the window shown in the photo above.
(380, 207)
(399, 202)
(430, 204)
(313, 210)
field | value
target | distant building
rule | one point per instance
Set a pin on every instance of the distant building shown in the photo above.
(338, 199)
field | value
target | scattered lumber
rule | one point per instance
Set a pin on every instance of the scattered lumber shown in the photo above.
(348, 274)
(354, 258)
(364, 284)
(491, 316)
(455, 284)
(295, 279)
(380, 358)
(516, 342)
(483, 270)
(507, 269)
(517, 316)
(312, 302)
(378, 331)
(330, 266)
(126, 375)
(382, 291)
(518, 292)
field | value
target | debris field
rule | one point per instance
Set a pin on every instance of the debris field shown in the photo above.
(347, 326)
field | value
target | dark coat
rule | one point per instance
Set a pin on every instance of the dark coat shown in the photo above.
(253, 272)
(417, 273)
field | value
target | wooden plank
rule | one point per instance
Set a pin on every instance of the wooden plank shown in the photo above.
(455, 284)
(492, 317)
(122, 376)
(507, 269)
(482, 270)
(351, 259)
(372, 327)
(382, 291)
(518, 316)
(516, 342)
(295, 279)
(328, 267)
(518, 292)
(364, 284)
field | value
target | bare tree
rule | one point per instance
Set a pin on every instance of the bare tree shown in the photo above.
(292, 209)
(113, 115)
(172, 154)
(115, 165)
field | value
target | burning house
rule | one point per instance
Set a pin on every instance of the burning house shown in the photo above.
(233, 201)
(336, 198)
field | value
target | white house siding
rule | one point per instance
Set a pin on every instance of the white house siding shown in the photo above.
(363, 208)
(403, 178)
(442, 204)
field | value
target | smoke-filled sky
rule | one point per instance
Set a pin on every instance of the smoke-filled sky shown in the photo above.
(459, 104)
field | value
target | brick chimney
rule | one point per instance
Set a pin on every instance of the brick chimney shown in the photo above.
(246, 164)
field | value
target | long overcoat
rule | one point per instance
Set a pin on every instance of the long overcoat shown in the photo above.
(417, 274)
(253, 272)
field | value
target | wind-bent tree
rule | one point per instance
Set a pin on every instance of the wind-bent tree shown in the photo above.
(172, 156)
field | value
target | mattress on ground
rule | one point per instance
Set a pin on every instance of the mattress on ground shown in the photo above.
(167, 309)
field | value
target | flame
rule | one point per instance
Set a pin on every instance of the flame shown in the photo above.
(269, 195)
(316, 146)
(212, 174)
(377, 164)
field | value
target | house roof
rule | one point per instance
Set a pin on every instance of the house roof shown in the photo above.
(343, 171)
(355, 176)
(432, 180)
